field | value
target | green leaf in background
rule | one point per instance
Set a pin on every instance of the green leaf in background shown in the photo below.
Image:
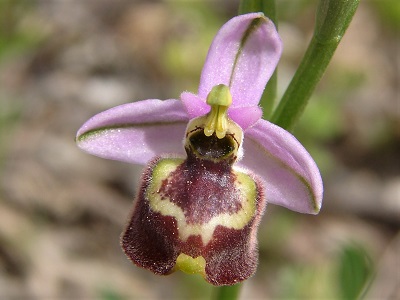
(332, 19)
(355, 268)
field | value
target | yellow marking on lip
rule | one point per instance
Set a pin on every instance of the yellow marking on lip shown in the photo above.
(191, 265)
(244, 183)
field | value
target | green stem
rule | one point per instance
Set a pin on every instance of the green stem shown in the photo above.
(267, 7)
(229, 292)
(333, 18)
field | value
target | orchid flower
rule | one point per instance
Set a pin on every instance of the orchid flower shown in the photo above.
(200, 203)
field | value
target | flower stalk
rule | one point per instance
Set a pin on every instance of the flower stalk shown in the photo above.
(228, 292)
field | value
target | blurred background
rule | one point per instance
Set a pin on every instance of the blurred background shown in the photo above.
(62, 210)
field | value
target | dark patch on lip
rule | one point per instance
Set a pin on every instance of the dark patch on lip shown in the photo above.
(203, 189)
(211, 147)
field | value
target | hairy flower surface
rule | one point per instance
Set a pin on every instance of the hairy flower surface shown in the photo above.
(200, 203)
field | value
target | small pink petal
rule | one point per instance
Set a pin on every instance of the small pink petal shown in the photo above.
(245, 117)
(195, 106)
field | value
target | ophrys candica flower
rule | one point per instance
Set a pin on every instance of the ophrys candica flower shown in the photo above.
(200, 203)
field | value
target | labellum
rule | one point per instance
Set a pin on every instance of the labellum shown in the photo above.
(199, 214)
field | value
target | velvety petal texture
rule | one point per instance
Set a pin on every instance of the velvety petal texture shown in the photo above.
(243, 56)
(135, 132)
(198, 211)
(291, 177)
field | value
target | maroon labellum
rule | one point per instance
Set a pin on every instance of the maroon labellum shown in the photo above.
(198, 214)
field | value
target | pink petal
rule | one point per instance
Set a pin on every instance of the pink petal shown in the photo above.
(243, 56)
(135, 132)
(245, 116)
(195, 106)
(291, 177)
